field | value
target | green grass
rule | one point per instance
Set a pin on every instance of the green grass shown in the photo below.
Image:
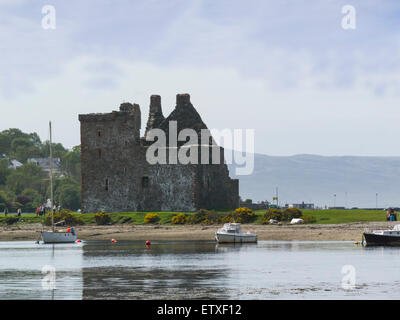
(332, 216)
(137, 218)
(345, 216)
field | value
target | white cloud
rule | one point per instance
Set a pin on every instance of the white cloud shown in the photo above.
(304, 119)
(295, 76)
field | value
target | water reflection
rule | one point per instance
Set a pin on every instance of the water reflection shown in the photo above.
(198, 270)
(165, 269)
(22, 263)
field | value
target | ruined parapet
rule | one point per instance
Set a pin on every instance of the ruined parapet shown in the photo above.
(127, 107)
(156, 116)
(101, 128)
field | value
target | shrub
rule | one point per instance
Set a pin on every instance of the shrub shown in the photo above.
(151, 218)
(199, 216)
(23, 200)
(272, 213)
(66, 215)
(241, 215)
(179, 219)
(228, 218)
(203, 216)
(122, 219)
(102, 218)
(290, 213)
(212, 218)
(308, 219)
(11, 220)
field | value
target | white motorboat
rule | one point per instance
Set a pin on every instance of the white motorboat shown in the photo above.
(232, 233)
(390, 237)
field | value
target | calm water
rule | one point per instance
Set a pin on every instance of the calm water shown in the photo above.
(197, 270)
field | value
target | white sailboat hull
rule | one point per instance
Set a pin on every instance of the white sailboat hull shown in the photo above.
(58, 237)
(235, 238)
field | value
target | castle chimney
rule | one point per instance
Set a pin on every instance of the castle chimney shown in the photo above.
(155, 114)
(182, 99)
(155, 104)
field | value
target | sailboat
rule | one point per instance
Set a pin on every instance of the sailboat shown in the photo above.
(56, 236)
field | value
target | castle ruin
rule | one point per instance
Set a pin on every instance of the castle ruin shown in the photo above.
(116, 176)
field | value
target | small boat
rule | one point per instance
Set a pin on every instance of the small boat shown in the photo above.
(232, 233)
(56, 236)
(59, 236)
(383, 237)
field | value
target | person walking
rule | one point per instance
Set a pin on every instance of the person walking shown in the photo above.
(37, 211)
(6, 211)
(19, 212)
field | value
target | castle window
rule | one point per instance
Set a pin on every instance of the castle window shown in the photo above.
(99, 133)
(99, 152)
(145, 182)
(106, 185)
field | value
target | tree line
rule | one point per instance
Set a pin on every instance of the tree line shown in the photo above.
(28, 186)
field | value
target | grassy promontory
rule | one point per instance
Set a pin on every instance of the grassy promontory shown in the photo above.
(331, 225)
(329, 216)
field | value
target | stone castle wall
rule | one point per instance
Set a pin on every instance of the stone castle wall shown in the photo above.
(117, 177)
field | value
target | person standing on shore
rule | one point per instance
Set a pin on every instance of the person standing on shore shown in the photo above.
(19, 212)
(391, 216)
(5, 211)
(388, 214)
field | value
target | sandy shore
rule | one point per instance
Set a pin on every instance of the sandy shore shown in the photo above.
(347, 231)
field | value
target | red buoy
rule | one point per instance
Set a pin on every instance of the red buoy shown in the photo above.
(78, 240)
(113, 240)
(148, 243)
(69, 230)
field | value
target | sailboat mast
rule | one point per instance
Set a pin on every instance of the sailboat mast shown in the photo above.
(51, 179)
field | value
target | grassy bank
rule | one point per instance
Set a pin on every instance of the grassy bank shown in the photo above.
(137, 218)
(346, 216)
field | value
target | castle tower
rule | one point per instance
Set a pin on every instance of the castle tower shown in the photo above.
(156, 116)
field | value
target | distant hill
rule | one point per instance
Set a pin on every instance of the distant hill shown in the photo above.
(315, 179)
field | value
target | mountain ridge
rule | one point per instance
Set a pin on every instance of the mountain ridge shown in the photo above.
(316, 179)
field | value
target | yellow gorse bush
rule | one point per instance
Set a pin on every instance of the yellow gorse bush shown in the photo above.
(151, 218)
(102, 218)
(180, 219)
(241, 215)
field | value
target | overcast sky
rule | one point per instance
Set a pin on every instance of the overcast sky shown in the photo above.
(284, 68)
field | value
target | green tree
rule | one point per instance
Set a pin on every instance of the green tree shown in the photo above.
(14, 133)
(4, 171)
(58, 150)
(5, 144)
(67, 192)
(23, 148)
(71, 163)
(36, 198)
(3, 198)
(28, 176)
(69, 197)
